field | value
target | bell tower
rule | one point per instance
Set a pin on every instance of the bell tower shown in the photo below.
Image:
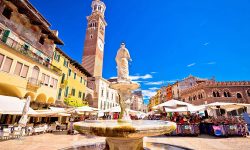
(93, 51)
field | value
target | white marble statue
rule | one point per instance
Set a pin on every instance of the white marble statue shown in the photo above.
(122, 59)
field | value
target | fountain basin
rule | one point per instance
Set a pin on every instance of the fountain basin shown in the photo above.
(124, 136)
(124, 86)
(136, 129)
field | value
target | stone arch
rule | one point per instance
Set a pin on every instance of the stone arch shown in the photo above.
(216, 93)
(89, 99)
(32, 95)
(9, 90)
(239, 95)
(51, 100)
(248, 92)
(41, 98)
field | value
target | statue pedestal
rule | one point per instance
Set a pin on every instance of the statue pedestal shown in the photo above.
(124, 143)
(124, 91)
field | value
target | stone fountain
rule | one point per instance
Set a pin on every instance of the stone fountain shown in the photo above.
(124, 134)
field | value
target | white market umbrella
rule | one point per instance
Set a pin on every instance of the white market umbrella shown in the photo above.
(171, 103)
(226, 106)
(13, 106)
(24, 119)
(86, 109)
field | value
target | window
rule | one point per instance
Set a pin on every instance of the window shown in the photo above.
(66, 92)
(239, 95)
(83, 96)
(7, 64)
(69, 72)
(81, 80)
(65, 63)
(18, 68)
(63, 78)
(102, 93)
(73, 92)
(7, 12)
(74, 75)
(227, 94)
(55, 83)
(46, 81)
(26, 47)
(52, 82)
(80, 94)
(59, 94)
(43, 78)
(1, 59)
(25, 71)
(56, 56)
(41, 40)
(248, 93)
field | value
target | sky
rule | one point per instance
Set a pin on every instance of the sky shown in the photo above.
(168, 39)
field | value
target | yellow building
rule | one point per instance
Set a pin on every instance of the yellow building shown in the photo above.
(73, 82)
(26, 50)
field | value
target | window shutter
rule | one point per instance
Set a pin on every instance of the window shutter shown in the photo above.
(6, 35)
(25, 71)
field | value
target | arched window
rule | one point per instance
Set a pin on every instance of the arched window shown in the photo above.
(225, 94)
(214, 94)
(239, 95)
(217, 94)
(248, 93)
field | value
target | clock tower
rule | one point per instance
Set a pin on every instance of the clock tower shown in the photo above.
(93, 52)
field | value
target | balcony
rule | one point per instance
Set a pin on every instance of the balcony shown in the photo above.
(33, 84)
(24, 50)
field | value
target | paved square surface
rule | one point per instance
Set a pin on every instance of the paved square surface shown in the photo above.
(57, 141)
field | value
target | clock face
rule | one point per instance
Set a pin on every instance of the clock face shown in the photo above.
(100, 44)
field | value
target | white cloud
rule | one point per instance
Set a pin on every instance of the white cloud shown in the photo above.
(137, 77)
(211, 63)
(147, 94)
(206, 44)
(154, 83)
(153, 88)
(190, 65)
(153, 72)
(171, 81)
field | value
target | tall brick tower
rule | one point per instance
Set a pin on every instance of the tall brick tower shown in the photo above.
(92, 58)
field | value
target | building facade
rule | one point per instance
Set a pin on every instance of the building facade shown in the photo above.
(26, 50)
(186, 83)
(73, 81)
(104, 97)
(212, 91)
(137, 101)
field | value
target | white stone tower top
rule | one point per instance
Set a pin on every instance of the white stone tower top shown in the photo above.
(98, 6)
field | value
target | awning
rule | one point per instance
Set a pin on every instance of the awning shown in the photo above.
(13, 106)
(171, 103)
(79, 110)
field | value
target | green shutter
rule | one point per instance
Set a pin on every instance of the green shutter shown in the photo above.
(5, 35)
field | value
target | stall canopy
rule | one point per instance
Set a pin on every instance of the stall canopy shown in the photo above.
(227, 106)
(171, 103)
(86, 109)
(13, 106)
(52, 112)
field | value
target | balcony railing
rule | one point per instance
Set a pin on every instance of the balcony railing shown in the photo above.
(25, 51)
(33, 84)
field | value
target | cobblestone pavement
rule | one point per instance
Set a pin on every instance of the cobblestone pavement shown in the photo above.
(61, 141)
